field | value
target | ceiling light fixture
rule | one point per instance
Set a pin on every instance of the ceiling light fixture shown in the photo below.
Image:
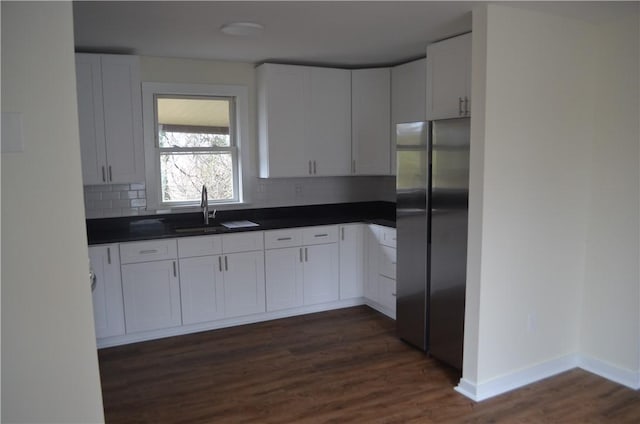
(242, 29)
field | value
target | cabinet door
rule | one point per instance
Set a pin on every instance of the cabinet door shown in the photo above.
(91, 119)
(151, 295)
(408, 98)
(244, 288)
(351, 261)
(448, 74)
(321, 273)
(108, 308)
(282, 103)
(328, 141)
(387, 298)
(122, 118)
(284, 269)
(201, 289)
(371, 116)
(372, 247)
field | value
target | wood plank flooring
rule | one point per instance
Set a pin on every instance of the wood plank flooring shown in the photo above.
(343, 366)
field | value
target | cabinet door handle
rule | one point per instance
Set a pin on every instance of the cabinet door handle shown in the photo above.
(301, 254)
(306, 255)
(320, 235)
(283, 238)
(104, 178)
(314, 167)
(460, 112)
(94, 280)
(310, 168)
(393, 294)
(226, 264)
(110, 175)
(175, 271)
(146, 252)
(109, 255)
(342, 233)
(220, 263)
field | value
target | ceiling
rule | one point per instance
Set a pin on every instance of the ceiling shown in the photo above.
(338, 33)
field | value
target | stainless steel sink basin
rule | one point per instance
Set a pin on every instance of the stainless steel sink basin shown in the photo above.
(202, 230)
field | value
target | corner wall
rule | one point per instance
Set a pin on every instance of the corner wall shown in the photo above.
(49, 358)
(528, 258)
(610, 330)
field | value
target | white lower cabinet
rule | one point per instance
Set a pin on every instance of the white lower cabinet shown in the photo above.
(244, 289)
(302, 267)
(380, 284)
(201, 289)
(151, 295)
(108, 309)
(351, 260)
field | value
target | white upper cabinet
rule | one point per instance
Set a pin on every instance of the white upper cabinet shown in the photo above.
(110, 118)
(304, 125)
(408, 98)
(370, 121)
(449, 78)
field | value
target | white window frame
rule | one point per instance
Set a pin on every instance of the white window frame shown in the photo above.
(240, 118)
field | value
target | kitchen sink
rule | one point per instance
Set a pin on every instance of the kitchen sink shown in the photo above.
(200, 230)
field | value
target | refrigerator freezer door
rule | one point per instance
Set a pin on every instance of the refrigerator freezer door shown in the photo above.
(448, 238)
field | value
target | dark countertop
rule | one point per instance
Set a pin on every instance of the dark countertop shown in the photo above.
(149, 227)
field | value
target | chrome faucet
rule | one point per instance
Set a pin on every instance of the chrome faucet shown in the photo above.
(204, 204)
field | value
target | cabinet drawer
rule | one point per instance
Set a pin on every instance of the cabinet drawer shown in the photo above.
(388, 262)
(199, 246)
(243, 242)
(282, 238)
(145, 251)
(388, 236)
(320, 235)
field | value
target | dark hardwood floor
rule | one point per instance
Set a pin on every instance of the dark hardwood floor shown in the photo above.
(343, 366)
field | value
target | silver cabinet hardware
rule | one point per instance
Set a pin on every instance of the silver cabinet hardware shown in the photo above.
(320, 235)
(109, 255)
(342, 233)
(104, 178)
(460, 112)
(310, 168)
(466, 105)
(314, 167)
(220, 263)
(301, 254)
(283, 238)
(94, 280)
(175, 272)
(146, 252)
(226, 264)
(306, 255)
(393, 294)
(110, 175)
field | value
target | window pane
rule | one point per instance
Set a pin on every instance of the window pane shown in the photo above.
(183, 175)
(192, 122)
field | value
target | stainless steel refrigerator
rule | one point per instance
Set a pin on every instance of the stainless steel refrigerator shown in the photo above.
(431, 219)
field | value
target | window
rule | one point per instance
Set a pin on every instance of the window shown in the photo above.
(193, 138)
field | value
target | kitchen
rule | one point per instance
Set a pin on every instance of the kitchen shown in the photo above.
(572, 271)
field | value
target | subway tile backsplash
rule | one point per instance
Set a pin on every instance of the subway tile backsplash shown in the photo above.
(102, 201)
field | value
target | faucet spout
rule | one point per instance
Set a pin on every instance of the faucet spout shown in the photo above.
(204, 204)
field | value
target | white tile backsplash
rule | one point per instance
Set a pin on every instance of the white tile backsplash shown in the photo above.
(103, 201)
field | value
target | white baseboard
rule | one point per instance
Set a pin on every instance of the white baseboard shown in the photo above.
(610, 371)
(224, 323)
(518, 379)
(515, 380)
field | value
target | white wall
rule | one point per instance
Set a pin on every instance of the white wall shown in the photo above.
(531, 211)
(611, 309)
(49, 360)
